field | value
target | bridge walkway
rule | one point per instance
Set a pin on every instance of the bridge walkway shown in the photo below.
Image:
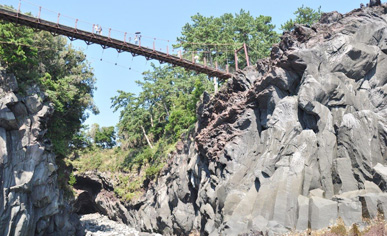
(108, 42)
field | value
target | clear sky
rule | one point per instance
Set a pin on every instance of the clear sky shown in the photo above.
(162, 20)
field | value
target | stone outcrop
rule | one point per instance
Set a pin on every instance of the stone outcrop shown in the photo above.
(95, 195)
(30, 201)
(295, 142)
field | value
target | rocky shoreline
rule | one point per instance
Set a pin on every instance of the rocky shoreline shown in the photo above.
(99, 225)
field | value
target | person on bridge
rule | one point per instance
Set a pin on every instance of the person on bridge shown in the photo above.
(100, 30)
(196, 59)
(96, 28)
(136, 40)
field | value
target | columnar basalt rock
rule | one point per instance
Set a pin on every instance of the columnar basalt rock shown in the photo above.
(295, 142)
(30, 201)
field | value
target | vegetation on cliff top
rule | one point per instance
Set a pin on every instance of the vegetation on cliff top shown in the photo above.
(304, 15)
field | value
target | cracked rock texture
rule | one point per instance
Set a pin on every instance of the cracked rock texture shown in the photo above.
(30, 201)
(292, 143)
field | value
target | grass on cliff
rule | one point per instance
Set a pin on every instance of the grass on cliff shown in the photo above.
(127, 169)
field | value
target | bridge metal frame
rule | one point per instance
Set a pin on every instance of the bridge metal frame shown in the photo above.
(108, 42)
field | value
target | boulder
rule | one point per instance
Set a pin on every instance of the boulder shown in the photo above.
(350, 211)
(323, 212)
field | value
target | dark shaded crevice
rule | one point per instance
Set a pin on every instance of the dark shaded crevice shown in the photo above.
(257, 184)
(84, 183)
(265, 175)
(85, 204)
(257, 121)
(378, 179)
(370, 74)
(336, 181)
(308, 120)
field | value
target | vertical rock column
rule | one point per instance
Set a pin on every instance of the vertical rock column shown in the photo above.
(29, 197)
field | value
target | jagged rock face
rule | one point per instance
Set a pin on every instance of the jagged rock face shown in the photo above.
(30, 201)
(95, 195)
(295, 142)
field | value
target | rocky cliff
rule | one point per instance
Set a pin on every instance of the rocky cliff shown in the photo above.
(30, 201)
(295, 142)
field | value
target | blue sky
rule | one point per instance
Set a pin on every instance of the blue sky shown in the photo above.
(162, 20)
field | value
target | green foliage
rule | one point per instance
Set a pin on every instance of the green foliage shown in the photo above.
(65, 177)
(38, 58)
(128, 189)
(94, 158)
(339, 230)
(144, 156)
(72, 179)
(304, 15)
(153, 170)
(105, 137)
(80, 140)
(165, 107)
(354, 230)
(211, 35)
(15, 53)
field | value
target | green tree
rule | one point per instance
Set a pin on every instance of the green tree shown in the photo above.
(304, 15)
(81, 140)
(216, 38)
(133, 118)
(105, 137)
(48, 62)
(165, 107)
(15, 53)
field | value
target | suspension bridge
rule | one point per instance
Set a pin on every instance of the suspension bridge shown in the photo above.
(90, 37)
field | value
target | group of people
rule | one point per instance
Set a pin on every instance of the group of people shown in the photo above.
(98, 29)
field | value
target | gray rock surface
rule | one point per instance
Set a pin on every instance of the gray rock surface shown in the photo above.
(99, 225)
(294, 142)
(30, 201)
(323, 212)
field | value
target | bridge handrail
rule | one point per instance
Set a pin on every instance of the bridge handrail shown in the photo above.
(106, 42)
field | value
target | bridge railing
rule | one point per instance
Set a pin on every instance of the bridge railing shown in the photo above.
(39, 12)
(154, 43)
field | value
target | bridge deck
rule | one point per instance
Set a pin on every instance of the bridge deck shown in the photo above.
(106, 42)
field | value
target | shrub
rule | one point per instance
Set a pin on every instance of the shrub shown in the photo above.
(153, 170)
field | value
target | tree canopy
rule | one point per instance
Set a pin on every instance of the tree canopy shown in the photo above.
(105, 137)
(48, 62)
(165, 107)
(216, 38)
(304, 15)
